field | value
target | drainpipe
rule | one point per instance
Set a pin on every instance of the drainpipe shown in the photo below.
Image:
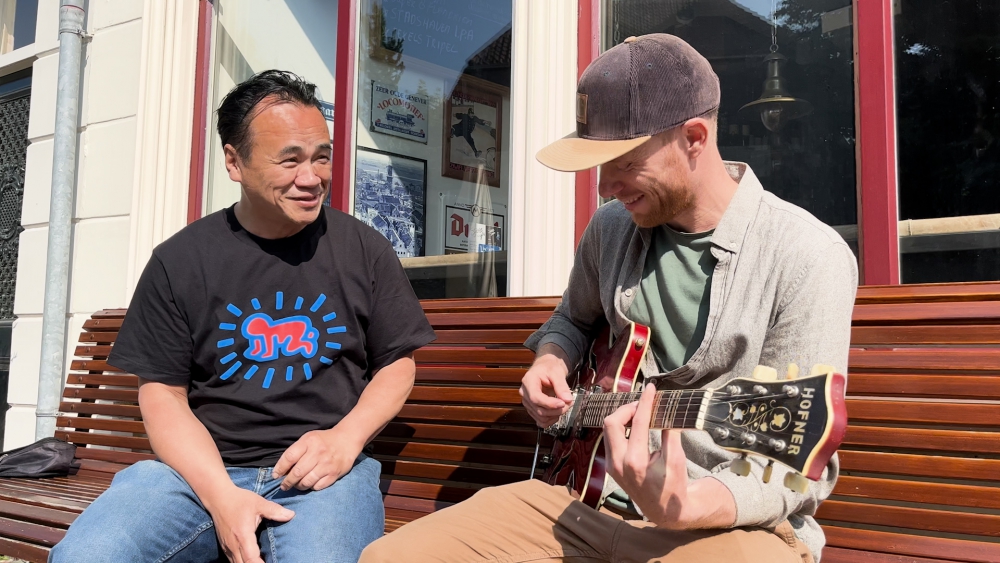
(50, 374)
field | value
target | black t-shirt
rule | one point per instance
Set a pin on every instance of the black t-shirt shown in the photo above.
(273, 338)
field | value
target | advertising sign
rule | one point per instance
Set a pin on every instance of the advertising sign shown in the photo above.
(398, 113)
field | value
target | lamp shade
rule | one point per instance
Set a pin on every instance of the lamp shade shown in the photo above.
(775, 105)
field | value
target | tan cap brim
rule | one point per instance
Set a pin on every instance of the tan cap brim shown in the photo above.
(571, 153)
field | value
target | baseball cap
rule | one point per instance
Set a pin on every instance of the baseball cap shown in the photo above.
(641, 87)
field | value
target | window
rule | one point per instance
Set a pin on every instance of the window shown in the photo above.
(802, 151)
(17, 24)
(948, 115)
(255, 35)
(433, 129)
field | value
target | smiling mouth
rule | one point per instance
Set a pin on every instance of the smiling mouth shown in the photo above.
(629, 201)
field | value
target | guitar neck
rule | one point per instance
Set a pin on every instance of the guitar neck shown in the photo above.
(671, 409)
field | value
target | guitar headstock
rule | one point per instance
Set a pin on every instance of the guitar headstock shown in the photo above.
(796, 422)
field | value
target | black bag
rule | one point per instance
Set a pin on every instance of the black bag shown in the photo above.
(48, 457)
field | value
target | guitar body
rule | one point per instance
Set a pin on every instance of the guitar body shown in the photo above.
(577, 460)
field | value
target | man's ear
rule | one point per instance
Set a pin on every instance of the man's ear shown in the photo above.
(696, 133)
(234, 164)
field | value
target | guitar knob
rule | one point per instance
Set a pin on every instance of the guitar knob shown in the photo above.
(720, 433)
(639, 343)
(777, 445)
(767, 472)
(733, 389)
(740, 466)
(760, 390)
(790, 390)
(764, 373)
(793, 371)
(796, 482)
(748, 438)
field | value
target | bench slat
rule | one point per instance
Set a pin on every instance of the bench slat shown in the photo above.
(912, 518)
(927, 359)
(937, 386)
(910, 491)
(450, 472)
(417, 489)
(110, 424)
(125, 395)
(128, 411)
(22, 550)
(109, 440)
(923, 439)
(517, 459)
(517, 319)
(475, 356)
(455, 433)
(465, 395)
(451, 413)
(115, 380)
(909, 544)
(927, 313)
(30, 532)
(36, 514)
(99, 337)
(474, 375)
(924, 335)
(839, 555)
(478, 336)
(120, 458)
(920, 412)
(920, 465)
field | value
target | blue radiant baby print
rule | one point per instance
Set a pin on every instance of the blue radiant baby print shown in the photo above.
(270, 338)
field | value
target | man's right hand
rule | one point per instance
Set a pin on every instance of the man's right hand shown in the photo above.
(544, 391)
(237, 513)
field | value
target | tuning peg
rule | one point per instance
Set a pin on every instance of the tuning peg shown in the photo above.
(740, 466)
(793, 371)
(821, 369)
(767, 471)
(796, 482)
(765, 373)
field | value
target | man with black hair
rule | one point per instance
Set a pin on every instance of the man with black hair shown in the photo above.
(272, 340)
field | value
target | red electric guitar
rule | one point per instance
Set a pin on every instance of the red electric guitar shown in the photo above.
(798, 422)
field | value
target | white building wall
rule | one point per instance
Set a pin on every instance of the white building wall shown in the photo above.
(134, 48)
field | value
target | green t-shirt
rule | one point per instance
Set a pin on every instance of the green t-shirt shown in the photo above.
(674, 294)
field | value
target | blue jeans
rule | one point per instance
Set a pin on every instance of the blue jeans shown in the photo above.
(150, 514)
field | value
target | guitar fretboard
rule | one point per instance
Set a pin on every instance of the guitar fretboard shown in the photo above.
(671, 409)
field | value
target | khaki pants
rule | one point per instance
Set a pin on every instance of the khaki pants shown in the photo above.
(533, 521)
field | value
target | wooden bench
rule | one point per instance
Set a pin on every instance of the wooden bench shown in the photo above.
(921, 474)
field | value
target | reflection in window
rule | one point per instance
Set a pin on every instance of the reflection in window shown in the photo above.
(948, 119)
(805, 153)
(433, 126)
(17, 24)
(251, 36)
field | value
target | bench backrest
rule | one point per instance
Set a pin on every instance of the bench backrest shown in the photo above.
(920, 460)
(920, 469)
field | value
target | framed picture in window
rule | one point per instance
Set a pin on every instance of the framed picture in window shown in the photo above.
(390, 195)
(473, 132)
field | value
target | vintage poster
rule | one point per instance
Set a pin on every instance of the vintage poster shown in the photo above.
(472, 133)
(390, 195)
(472, 229)
(398, 113)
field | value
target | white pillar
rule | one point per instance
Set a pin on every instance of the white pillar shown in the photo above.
(163, 131)
(542, 110)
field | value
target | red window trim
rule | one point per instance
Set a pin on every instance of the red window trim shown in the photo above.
(343, 105)
(203, 55)
(878, 221)
(588, 47)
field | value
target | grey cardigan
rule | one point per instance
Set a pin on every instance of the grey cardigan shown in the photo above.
(782, 291)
